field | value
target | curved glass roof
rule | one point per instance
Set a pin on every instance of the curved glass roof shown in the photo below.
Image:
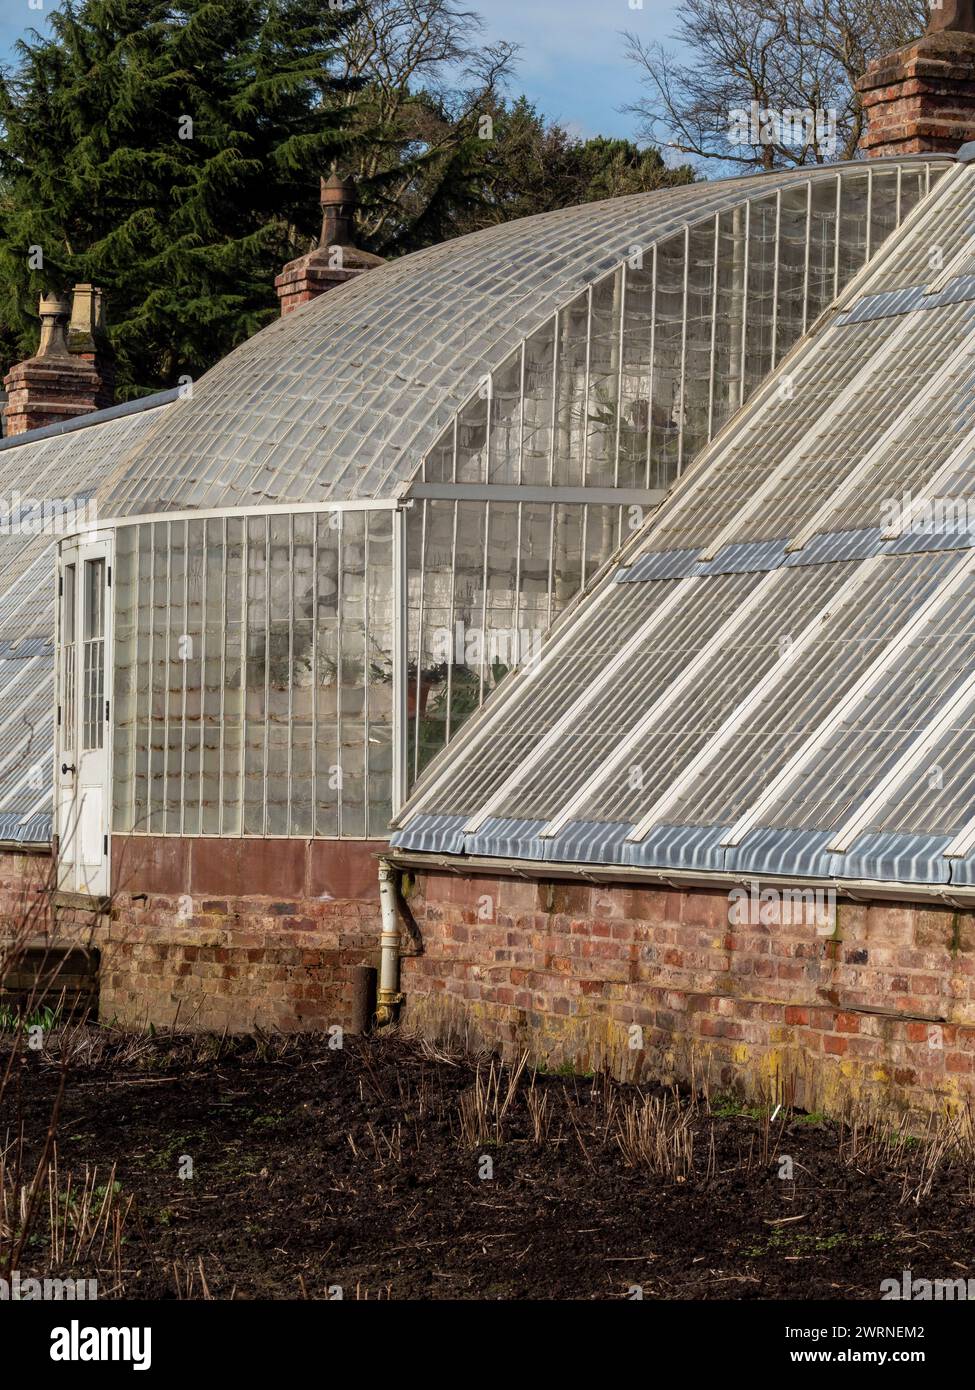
(779, 677)
(343, 398)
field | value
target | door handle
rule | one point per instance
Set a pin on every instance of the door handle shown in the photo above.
(65, 769)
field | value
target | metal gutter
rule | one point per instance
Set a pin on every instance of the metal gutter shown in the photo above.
(94, 417)
(857, 889)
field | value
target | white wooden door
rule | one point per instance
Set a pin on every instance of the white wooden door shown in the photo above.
(82, 772)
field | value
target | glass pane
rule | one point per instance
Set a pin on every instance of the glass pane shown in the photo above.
(231, 790)
(430, 542)
(326, 770)
(536, 441)
(279, 674)
(380, 626)
(728, 341)
(696, 388)
(191, 645)
(570, 427)
(69, 657)
(506, 643)
(352, 663)
(438, 466)
(472, 427)
(143, 693)
(302, 728)
(883, 208)
(792, 268)
(665, 408)
(256, 678)
(212, 694)
(602, 402)
(853, 226)
(505, 442)
(760, 305)
(913, 189)
(637, 373)
(159, 621)
(822, 248)
(93, 622)
(176, 646)
(124, 676)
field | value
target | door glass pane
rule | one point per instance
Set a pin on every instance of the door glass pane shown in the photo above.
(68, 657)
(93, 732)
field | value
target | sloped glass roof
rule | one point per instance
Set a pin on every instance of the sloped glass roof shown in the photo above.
(343, 398)
(48, 480)
(779, 675)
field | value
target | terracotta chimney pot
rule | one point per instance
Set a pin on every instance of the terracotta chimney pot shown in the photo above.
(336, 259)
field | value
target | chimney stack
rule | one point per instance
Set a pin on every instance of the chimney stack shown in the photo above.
(921, 98)
(88, 339)
(72, 371)
(335, 259)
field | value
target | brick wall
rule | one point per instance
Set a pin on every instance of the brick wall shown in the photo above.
(215, 934)
(24, 883)
(237, 934)
(659, 983)
(649, 982)
(921, 98)
(235, 962)
(42, 965)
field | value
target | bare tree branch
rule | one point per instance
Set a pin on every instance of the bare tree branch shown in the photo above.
(424, 77)
(769, 83)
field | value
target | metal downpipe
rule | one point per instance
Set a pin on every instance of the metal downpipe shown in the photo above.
(388, 996)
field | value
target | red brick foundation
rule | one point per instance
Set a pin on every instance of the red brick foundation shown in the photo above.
(659, 983)
(238, 934)
(25, 881)
(217, 934)
(649, 982)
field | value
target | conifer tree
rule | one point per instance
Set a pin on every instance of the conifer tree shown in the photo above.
(168, 151)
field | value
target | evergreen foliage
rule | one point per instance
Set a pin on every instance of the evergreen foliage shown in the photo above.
(162, 149)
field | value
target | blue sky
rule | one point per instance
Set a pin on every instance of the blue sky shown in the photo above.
(15, 17)
(571, 61)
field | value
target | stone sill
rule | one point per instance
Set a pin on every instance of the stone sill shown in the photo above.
(83, 902)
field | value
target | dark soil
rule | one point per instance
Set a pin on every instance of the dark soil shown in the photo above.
(316, 1169)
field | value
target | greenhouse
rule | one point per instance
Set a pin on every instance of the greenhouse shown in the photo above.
(324, 555)
(470, 644)
(312, 565)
